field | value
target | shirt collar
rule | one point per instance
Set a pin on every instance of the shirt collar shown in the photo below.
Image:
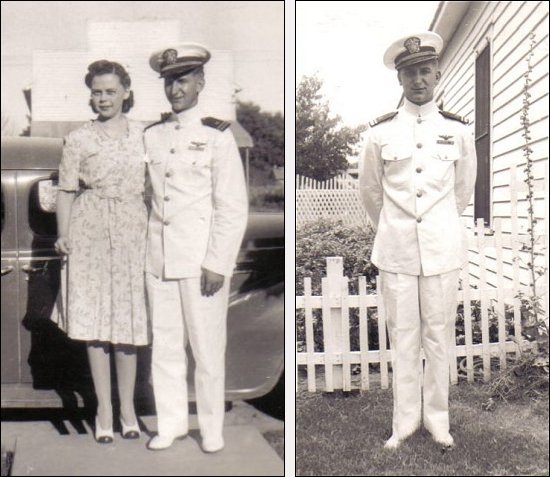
(188, 115)
(422, 110)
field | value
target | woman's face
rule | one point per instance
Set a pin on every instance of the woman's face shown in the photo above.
(108, 94)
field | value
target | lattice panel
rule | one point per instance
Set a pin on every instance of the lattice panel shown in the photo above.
(344, 205)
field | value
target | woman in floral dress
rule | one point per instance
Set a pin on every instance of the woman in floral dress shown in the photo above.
(102, 228)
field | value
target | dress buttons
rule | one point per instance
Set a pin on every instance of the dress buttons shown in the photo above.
(419, 193)
(419, 120)
(168, 174)
(172, 151)
(166, 222)
(419, 219)
(419, 170)
(177, 127)
(166, 198)
(419, 145)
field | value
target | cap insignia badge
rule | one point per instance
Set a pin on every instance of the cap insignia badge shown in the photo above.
(412, 44)
(170, 56)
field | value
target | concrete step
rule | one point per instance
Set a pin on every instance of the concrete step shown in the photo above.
(41, 448)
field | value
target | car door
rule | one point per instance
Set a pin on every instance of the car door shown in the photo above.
(49, 360)
(10, 285)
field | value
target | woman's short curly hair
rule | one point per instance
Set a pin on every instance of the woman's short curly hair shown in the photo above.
(103, 67)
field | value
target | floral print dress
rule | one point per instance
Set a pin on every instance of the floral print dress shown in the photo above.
(105, 296)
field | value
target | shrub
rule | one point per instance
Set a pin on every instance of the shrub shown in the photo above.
(525, 378)
(332, 238)
(492, 316)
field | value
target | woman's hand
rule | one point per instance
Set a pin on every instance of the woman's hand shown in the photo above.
(63, 246)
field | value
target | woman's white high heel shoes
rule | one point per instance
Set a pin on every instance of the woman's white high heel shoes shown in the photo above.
(130, 432)
(103, 436)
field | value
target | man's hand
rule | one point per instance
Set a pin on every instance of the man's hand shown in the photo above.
(211, 282)
(63, 246)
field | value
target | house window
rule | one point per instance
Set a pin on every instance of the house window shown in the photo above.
(482, 198)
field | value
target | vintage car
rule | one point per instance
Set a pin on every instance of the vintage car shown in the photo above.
(41, 367)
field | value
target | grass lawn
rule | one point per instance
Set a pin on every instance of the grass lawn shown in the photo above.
(338, 435)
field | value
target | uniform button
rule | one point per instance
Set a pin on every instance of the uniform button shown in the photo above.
(419, 145)
(419, 219)
(178, 126)
(419, 193)
(168, 174)
(419, 120)
(166, 222)
(419, 170)
(166, 198)
(172, 151)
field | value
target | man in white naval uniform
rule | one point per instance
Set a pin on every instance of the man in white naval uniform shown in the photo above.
(197, 222)
(417, 177)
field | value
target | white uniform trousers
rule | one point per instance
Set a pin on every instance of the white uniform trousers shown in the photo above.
(420, 311)
(179, 312)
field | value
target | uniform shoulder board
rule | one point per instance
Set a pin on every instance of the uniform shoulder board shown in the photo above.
(215, 123)
(152, 125)
(163, 118)
(381, 119)
(456, 117)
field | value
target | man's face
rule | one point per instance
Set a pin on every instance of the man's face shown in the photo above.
(419, 81)
(183, 91)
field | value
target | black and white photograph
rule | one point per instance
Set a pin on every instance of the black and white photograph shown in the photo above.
(421, 238)
(143, 238)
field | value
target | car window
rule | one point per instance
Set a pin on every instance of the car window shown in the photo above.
(42, 201)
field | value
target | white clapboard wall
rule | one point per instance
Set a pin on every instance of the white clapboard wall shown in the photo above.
(506, 26)
(60, 95)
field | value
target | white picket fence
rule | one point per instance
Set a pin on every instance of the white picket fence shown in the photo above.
(340, 182)
(337, 198)
(337, 363)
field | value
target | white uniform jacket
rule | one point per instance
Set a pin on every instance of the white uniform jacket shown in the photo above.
(417, 176)
(199, 205)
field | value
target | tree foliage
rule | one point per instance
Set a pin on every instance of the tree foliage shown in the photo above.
(267, 131)
(322, 144)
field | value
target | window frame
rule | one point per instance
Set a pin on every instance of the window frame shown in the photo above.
(483, 133)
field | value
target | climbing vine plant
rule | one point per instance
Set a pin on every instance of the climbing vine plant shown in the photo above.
(533, 311)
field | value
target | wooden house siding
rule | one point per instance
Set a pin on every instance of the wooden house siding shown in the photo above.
(506, 26)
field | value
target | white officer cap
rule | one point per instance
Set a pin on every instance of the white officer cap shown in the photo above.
(413, 49)
(179, 60)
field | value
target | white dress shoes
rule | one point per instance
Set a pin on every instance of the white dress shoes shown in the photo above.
(392, 443)
(213, 445)
(445, 440)
(163, 442)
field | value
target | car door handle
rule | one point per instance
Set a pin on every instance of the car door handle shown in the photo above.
(6, 270)
(29, 269)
